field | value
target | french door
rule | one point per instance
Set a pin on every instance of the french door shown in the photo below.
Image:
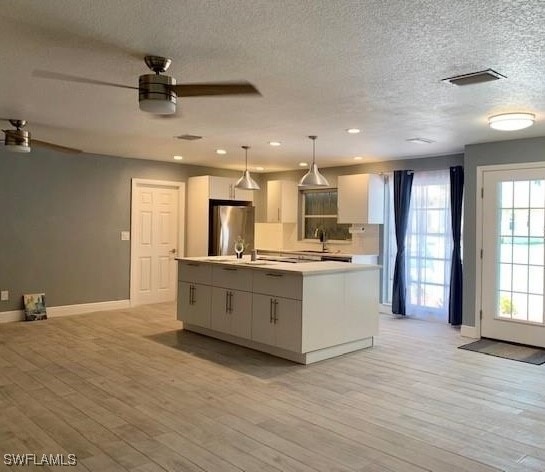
(513, 256)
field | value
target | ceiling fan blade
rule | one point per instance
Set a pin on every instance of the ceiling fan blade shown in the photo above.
(55, 147)
(44, 74)
(215, 88)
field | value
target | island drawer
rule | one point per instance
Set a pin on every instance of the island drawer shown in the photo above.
(228, 276)
(194, 271)
(278, 284)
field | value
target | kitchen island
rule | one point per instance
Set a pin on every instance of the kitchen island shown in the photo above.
(304, 311)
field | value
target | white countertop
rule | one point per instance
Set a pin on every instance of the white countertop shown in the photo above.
(303, 268)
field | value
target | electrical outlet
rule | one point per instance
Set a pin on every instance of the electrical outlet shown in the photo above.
(4, 296)
(125, 235)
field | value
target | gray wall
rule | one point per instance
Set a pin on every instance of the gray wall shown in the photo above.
(60, 223)
(504, 152)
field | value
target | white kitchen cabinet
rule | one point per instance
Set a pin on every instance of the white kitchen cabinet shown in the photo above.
(277, 321)
(360, 199)
(200, 190)
(194, 303)
(231, 312)
(194, 293)
(282, 201)
(223, 188)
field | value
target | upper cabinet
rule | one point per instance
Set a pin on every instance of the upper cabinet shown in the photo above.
(223, 188)
(281, 201)
(360, 199)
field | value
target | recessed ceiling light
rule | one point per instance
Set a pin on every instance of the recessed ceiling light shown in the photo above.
(511, 121)
(178, 158)
(303, 164)
(420, 141)
(275, 143)
(221, 151)
(260, 168)
(353, 130)
(358, 158)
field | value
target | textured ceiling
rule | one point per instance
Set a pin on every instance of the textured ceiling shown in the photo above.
(321, 65)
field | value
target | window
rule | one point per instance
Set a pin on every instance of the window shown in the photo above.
(320, 212)
(428, 245)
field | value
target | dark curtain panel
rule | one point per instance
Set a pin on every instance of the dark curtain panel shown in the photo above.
(403, 181)
(456, 199)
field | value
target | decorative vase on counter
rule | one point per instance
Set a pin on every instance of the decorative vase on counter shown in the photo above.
(239, 247)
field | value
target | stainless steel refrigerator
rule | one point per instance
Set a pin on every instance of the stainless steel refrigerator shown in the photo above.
(228, 223)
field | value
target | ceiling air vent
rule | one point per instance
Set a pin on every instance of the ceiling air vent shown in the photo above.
(480, 77)
(189, 137)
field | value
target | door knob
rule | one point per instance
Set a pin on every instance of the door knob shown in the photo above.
(173, 251)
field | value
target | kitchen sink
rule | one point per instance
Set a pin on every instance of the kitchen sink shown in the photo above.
(289, 260)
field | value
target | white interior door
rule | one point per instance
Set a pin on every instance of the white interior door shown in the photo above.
(156, 240)
(513, 257)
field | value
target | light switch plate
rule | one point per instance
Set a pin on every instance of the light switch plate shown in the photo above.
(4, 296)
(125, 235)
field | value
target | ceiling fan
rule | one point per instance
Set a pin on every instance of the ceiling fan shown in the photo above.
(18, 139)
(158, 93)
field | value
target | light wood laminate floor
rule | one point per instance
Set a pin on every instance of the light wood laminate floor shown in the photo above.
(129, 391)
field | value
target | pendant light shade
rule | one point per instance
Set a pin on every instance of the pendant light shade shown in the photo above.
(246, 182)
(313, 178)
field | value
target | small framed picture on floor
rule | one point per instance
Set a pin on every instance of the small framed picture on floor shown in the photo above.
(35, 306)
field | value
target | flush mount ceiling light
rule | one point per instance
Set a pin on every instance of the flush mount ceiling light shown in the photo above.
(303, 164)
(313, 178)
(511, 121)
(221, 151)
(246, 182)
(353, 131)
(420, 141)
(259, 168)
(178, 158)
(358, 158)
(274, 143)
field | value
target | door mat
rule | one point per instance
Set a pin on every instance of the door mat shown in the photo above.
(515, 352)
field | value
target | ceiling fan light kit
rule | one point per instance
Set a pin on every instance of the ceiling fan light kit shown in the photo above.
(17, 140)
(313, 178)
(246, 182)
(156, 93)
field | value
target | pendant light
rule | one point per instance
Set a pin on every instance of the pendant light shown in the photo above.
(246, 182)
(313, 178)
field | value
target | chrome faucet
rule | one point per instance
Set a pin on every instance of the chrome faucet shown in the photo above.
(322, 234)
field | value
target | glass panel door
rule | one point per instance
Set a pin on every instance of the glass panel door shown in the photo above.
(513, 255)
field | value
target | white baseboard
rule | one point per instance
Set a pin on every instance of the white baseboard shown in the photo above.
(384, 309)
(67, 310)
(469, 332)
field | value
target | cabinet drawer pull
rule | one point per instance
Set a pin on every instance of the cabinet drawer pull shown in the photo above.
(229, 268)
(275, 304)
(230, 302)
(226, 302)
(193, 264)
(270, 274)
